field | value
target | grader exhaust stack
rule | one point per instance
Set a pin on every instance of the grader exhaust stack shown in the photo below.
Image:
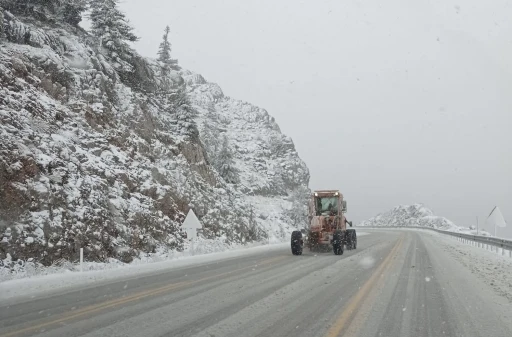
(327, 225)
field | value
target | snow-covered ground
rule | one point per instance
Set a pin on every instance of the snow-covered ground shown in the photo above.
(53, 279)
(493, 268)
(199, 247)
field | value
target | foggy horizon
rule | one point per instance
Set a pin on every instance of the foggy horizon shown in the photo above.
(395, 103)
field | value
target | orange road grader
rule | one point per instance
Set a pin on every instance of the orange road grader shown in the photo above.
(327, 225)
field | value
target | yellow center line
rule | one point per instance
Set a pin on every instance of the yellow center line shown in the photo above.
(357, 299)
(273, 259)
(123, 300)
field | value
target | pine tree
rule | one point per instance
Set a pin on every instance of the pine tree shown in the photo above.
(165, 62)
(1, 23)
(210, 141)
(253, 225)
(69, 11)
(113, 30)
(175, 98)
(184, 113)
(225, 163)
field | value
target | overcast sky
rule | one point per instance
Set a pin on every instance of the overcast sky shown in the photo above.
(392, 102)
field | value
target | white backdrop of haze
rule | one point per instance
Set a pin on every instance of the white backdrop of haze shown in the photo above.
(391, 102)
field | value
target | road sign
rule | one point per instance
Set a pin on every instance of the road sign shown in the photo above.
(191, 225)
(496, 219)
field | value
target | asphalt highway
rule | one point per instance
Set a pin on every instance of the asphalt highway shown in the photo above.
(395, 284)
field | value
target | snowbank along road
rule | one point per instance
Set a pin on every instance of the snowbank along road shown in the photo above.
(397, 283)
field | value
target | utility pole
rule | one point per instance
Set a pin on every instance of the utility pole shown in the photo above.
(477, 225)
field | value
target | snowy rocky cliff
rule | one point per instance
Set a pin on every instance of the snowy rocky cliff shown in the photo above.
(92, 155)
(411, 215)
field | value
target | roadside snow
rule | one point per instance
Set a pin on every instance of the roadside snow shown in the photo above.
(31, 281)
(492, 268)
(64, 279)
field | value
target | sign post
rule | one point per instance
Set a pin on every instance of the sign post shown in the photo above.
(81, 259)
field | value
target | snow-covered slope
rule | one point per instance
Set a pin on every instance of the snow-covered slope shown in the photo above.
(265, 159)
(265, 162)
(90, 157)
(411, 215)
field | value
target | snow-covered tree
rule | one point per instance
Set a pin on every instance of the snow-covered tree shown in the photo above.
(174, 96)
(1, 23)
(210, 140)
(113, 30)
(185, 113)
(177, 104)
(69, 11)
(253, 230)
(225, 163)
(219, 153)
(165, 62)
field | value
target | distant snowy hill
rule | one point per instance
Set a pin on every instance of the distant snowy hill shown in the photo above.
(93, 156)
(419, 216)
(411, 215)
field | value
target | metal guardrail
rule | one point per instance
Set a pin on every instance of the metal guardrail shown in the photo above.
(484, 240)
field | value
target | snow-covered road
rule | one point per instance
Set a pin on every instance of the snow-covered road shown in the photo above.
(397, 283)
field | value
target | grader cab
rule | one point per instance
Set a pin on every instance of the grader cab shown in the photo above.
(327, 225)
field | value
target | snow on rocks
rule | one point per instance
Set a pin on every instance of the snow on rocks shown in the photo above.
(417, 215)
(89, 159)
(411, 215)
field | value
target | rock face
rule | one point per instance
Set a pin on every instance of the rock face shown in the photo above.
(265, 159)
(411, 215)
(90, 157)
